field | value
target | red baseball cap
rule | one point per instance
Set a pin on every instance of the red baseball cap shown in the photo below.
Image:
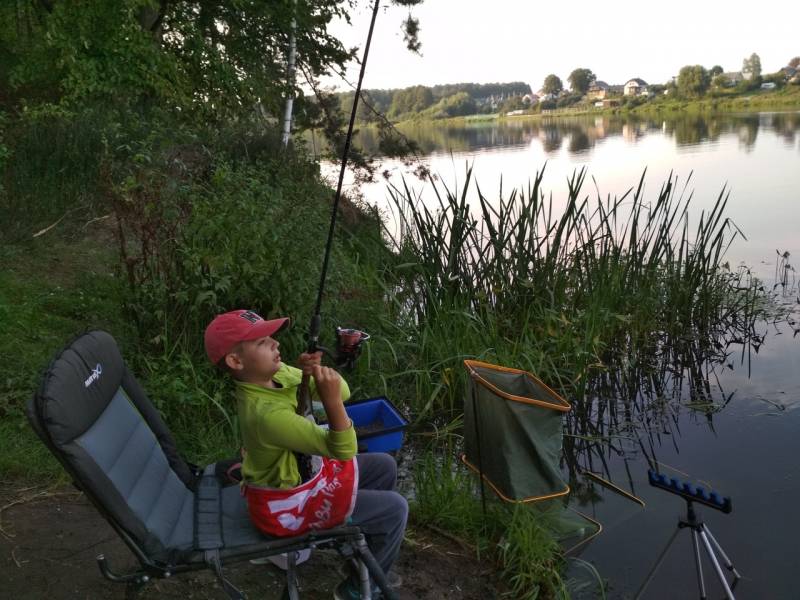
(230, 328)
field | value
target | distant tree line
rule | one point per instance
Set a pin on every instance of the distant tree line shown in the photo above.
(448, 100)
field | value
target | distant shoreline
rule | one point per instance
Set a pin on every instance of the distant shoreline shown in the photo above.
(757, 101)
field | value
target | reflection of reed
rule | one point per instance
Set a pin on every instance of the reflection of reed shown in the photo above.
(635, 406)
(584, 131)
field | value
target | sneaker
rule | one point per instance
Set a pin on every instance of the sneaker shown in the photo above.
(347, 590)
(394, 580)
(350, 569)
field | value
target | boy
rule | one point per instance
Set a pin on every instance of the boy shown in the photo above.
(241, 343)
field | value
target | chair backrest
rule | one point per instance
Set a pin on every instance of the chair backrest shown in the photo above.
(96, 419)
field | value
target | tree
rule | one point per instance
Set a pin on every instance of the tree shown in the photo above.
(719, 81)
(580, 80)
(715, 70)
(214, 55)
(457, 105)
(552, 85)
(751, 67)
(510, 104)
(410, 100)
(795, 62)
(693, 81)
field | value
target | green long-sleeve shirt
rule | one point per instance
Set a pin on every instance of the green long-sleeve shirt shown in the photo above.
(272, 431)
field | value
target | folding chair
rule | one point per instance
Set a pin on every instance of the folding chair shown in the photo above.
(96, 419)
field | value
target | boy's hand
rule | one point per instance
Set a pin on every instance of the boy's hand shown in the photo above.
(307, 361)
(329, 388)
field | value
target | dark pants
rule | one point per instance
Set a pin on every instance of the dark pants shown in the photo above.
(380, 511)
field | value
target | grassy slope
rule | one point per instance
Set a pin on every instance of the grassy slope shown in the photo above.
(50, 290)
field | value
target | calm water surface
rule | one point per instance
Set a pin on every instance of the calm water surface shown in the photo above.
(748, 446)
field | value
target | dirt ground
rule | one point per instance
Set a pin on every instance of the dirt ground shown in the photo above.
(49, 539)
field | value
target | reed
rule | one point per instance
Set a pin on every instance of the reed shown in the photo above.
(567, 290)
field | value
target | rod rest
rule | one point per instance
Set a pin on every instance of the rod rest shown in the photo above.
(689, 492)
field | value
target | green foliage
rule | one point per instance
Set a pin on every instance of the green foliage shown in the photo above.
(248, 235)
(516, 537)
(751, 67)
(50, 290)
(4, 151)
(719, 81)
(410, 100)
(97, 52)
(216, 57)
(568, 100)
(457, 105)
(693, 81)
(552, 85)
(57, 157)
(431, 102)
(563, 306)
(580, 80)
(513, 103)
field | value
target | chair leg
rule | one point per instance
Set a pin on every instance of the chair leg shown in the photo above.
(364, 554)
(291, 591)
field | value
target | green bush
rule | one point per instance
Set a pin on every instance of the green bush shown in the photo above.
(51, 170)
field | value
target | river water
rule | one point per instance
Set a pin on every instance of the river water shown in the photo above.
(748, 445)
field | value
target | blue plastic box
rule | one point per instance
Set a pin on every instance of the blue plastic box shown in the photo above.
(386, 423)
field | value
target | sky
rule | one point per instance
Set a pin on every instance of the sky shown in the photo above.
(485, 41)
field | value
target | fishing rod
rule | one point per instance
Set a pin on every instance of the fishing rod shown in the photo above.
(348, 344)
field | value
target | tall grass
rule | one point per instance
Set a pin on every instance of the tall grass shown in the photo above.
(625, 305)
(568, 290)
(515, 538)
(51, 172)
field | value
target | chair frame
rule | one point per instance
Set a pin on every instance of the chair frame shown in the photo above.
(349, 541)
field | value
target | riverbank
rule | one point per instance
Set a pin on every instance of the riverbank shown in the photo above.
(787, 99)
(50, 536)
(176, 226)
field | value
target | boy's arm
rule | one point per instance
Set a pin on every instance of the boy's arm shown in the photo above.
(286, 429)
(328, 385)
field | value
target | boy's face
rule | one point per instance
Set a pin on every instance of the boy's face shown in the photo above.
(255, 361)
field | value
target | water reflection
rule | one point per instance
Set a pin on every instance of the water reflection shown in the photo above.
(581, 133)
(699, 410)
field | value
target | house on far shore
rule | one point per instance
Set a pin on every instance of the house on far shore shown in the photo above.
(789, 73)
(636, 87)
(531, 99)
(733, 78)
(598, 90)
(542, 96)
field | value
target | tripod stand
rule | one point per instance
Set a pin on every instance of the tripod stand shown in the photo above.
(700, 533)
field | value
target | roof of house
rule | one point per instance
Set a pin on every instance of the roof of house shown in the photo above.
(598, 85)
(733, 75)
(637, 81)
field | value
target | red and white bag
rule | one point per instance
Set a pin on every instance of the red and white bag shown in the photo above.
(324, 501)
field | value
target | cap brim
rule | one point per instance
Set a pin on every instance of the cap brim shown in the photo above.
(266, 328)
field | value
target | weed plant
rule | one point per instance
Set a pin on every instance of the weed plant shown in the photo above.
(518, 538)
(617, 303)
(51, 172)
(568, 292)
